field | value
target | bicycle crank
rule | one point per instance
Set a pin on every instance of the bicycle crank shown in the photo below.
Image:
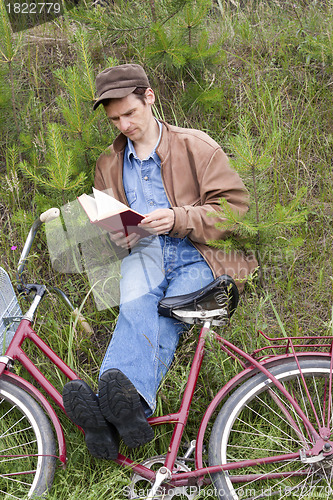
(140, 488)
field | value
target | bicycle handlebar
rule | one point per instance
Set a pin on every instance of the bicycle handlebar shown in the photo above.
(47, 216)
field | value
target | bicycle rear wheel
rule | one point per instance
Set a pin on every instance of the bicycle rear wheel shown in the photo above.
(257, 421)
(27, 445)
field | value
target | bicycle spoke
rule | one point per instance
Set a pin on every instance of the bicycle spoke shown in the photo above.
(21, 431)
(13, 459)
(258, 423)
(11, 477)
(9, 495)
(305, 406)
(256, 432)
(267, 450)
(277, 470)
(27, 449)
(287, 406)
(319, 404)
(261, 435)
(5, 451)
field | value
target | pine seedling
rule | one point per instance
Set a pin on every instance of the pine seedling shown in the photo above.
(261, 226)
(78, 83)
(79, 120)
(167, 50)
(9, 47)
(193, 16)
(59, 173)
(75, 104)
(66, 165)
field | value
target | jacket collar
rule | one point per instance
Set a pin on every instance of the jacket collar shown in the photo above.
(162, 149)
(119, 143)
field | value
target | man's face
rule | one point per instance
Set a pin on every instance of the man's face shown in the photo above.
(131, 115)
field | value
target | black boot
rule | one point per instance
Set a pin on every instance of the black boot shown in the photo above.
(82, 407)
(121, 405)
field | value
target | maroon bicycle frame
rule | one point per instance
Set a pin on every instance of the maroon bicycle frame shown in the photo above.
(179, 419)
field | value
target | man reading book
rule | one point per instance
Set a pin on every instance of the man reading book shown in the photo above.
(176, 178)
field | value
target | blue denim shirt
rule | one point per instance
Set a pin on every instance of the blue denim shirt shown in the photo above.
(142, 180)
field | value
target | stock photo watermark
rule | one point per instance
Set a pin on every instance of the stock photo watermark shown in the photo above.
(25, 14)
(300, 491)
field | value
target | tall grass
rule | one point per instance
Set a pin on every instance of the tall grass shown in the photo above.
(266, 64)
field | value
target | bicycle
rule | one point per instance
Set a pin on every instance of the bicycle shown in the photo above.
(292, 387)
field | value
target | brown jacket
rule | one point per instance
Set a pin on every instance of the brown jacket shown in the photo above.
(196, 175)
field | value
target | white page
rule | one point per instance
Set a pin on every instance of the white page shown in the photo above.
(106, 204)
(91, 206)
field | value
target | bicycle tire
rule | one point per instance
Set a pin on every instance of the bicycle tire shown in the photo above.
(252, 425)
(27, 445)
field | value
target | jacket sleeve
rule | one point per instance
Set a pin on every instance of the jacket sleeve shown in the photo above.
(106, 174)
(99, 182)
(217, 180)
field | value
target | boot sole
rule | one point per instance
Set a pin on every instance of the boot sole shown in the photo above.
(121, 406)
(82, 407)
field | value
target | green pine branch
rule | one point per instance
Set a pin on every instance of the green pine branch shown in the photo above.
(250, 156)
(82, 39)
(166, 50)
(59, 173)
(9, 45)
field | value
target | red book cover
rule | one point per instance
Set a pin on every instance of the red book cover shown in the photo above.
(110, 214)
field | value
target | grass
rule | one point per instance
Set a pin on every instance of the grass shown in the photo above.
(273, 71)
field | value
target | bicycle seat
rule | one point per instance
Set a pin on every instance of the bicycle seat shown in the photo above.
(216, 302)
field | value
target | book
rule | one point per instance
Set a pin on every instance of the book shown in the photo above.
(110, 214)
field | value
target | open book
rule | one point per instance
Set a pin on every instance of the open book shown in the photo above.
(110, 214)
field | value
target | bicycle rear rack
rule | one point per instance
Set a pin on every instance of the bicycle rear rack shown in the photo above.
(10, 311)
(293, 345)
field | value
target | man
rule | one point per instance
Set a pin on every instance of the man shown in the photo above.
(175, 177)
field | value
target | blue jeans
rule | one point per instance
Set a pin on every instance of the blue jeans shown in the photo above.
(144, 343)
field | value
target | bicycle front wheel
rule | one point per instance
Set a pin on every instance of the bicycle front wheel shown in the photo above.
(258, 422)
(27, 445)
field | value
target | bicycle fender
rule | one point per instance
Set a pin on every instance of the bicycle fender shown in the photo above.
(232, 384)
(38, 396)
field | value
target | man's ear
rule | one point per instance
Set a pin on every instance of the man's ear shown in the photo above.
(150, 96)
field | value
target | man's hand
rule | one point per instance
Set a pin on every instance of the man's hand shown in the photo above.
(124, 241)
(159, 221)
